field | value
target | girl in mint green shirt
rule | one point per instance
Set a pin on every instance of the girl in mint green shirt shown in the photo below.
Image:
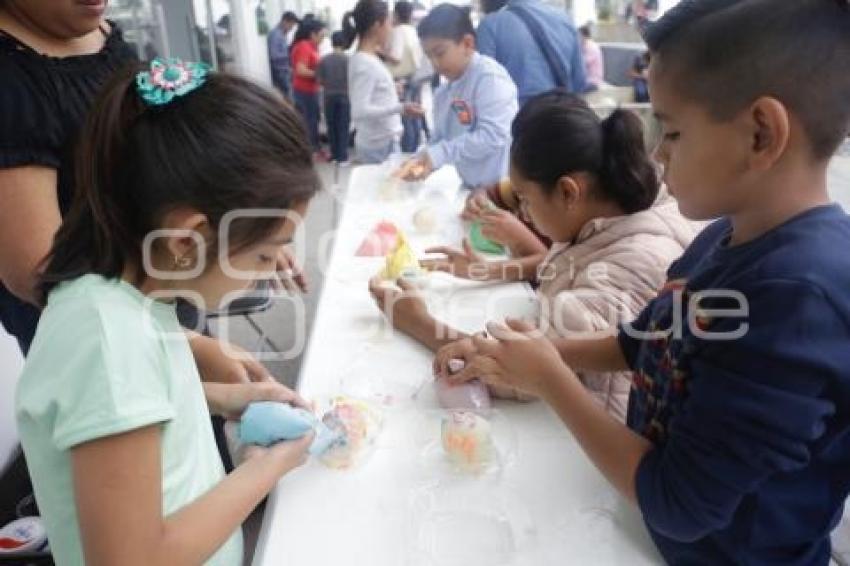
(113, 417)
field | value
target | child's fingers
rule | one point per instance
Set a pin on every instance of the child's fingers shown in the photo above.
(294, 453)
(480, 367)
(486, 346)
(503, 333)
(491, 213)
(377, 287)
(523, 327)
(445, 250)
(294, 398)
(436, 265)
(301, 281)
(472, 370)
(408, 287)
(269, 391)
(297, 446)
(490, 231)
(468, 250)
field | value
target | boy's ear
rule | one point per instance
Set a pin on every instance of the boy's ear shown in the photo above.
(770, 123)
(468, 41)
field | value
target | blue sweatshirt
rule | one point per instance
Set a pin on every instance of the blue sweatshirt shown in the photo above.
(751, 457)
(472, 123)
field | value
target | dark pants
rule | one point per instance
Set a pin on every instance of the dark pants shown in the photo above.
(412, 133)
(308, 105)
(282, 80)
(641, 90)
(338, 119)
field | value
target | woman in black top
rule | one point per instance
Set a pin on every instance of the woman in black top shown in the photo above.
(54, 57)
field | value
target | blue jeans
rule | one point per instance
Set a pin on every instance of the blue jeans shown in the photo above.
(338, 119)
(412, 133)
(282, 80)
(641, 90)
(308, 105)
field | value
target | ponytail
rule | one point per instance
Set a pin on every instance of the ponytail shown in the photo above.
(227, 145)
(557, 133)
(627, 174)
(358, 22)
(349, 29)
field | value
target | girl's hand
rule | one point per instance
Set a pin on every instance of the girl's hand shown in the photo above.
(285, 456)
(466, 263)
(403, 305)
(230, 400)
(290, 275)
(476, 204)
(517, 357)
(502, 226)
(220, 362)
(463, 349)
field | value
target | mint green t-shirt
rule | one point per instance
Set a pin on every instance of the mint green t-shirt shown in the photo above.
(107, 360)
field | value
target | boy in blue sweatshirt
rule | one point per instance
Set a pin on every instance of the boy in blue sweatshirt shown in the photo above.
(473, 111)
(737, 448)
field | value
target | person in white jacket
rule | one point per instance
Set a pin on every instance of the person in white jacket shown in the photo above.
(375, 107)
(590, 187)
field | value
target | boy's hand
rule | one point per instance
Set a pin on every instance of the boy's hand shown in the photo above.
(417, 168)
(230, 400)
(462, 349)
(476, 204)
(466, 263)
(402, 305)
(518, 357)
(413, 110)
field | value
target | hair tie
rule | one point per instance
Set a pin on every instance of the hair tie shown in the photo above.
(168, 79)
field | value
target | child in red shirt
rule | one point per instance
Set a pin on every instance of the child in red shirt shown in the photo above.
(305, 62)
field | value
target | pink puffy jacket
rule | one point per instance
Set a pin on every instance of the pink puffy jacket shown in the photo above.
(614, 268)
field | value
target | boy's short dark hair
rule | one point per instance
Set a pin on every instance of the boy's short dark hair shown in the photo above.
(403, 11)
(447, 21)
(289, 17)
(490, 6)
(339, 40)
(728, 53)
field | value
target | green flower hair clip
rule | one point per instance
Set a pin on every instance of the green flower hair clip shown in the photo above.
(168, 79)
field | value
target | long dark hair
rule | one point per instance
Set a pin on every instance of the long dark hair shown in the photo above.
(228, 145)
(306, 28)
(557, 133)
(359, 21)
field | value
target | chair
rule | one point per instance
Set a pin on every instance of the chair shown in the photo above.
(259, 300)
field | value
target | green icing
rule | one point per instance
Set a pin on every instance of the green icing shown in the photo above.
(480, 243)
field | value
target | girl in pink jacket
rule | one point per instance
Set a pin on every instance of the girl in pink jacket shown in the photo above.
(589, 185)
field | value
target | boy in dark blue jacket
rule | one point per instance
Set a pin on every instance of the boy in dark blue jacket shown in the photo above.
(738, 441)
